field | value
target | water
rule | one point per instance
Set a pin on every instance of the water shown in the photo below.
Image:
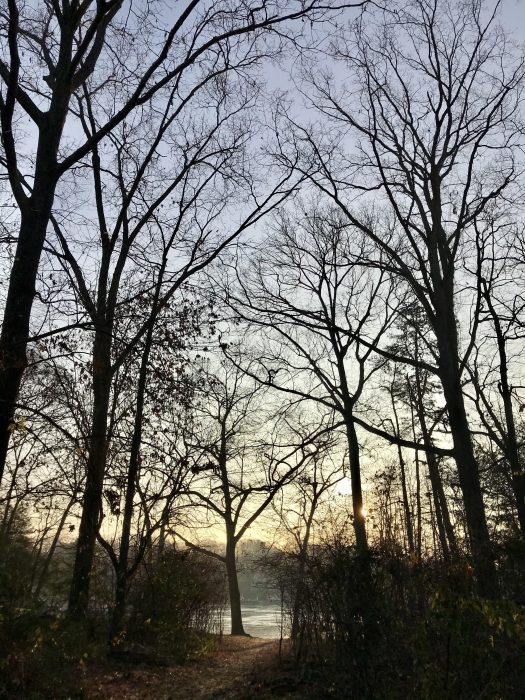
(260, 620)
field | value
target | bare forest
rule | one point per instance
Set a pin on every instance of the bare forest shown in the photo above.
(262, 288)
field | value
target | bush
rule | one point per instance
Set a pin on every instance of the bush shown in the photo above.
(175, 604)
(412, 631)
(44, 656)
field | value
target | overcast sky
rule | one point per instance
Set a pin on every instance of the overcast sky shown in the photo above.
(514, 17)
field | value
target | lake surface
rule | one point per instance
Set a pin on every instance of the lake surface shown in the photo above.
(260, 620)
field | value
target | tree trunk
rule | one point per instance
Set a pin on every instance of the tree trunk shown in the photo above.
(17, 311)
(447, 536)
(444, 322)
(467, 466)
(237, 627)
(518, 480)
(419, 552)
(357, 491)
(35, 213)
(418, 549)
(92, 505)
(404, 490)
(510, 439)
(133, 470)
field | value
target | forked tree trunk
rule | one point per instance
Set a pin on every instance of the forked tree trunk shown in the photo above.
(92, 503)
(131, 481)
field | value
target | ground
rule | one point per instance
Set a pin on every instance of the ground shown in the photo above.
(241, 668)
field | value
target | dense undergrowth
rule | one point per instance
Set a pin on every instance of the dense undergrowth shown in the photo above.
(175, 603)
(395, 628)
(385, 627)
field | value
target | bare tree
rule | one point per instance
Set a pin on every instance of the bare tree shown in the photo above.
(435, 104)
(241, 462)
(322, 315)
(142, 251)
(52, 53)
(495, 377)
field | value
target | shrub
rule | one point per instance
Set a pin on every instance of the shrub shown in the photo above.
(414, 631)
(175, 603)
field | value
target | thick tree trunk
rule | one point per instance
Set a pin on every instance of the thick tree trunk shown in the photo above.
(17, 311)
(442, 268)
(35, 213)
(92, 505)
(357, 490)
(467, 466)
(237, 627)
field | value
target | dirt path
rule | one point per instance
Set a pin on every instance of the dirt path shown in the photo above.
(232, 672)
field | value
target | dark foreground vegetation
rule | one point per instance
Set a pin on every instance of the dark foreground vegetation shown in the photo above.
(174, 613)
(262, 270)
(400, 630)
(419, 631)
